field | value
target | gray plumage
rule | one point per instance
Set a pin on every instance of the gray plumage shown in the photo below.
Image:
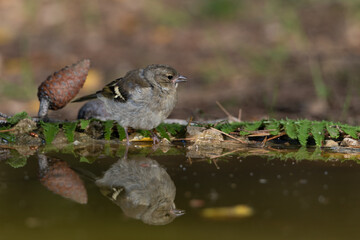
(141, 99)
(94, 109)
(142, 189)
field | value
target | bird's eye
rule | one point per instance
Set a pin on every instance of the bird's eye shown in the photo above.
(167, 215)
(170, 77)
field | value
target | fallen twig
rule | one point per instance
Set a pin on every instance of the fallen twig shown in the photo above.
(259, 134)
(222, 155)
(215, 163)
(6, 147)
(190, 121)
(190, 161)
(264, 141)
(229, 135)
(272, 138)
(7, 130)
(231, 117)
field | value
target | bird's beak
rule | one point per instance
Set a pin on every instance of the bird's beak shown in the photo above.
(180, 78)
(177, 212)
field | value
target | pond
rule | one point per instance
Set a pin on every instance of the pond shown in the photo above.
(59, 195)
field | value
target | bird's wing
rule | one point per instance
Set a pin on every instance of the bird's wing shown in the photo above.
(121, 88)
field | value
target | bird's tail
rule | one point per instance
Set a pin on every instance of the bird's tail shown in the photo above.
(85, 98)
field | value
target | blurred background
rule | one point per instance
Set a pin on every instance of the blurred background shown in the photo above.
(270, 58)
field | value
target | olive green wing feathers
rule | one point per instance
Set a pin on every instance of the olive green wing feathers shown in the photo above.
(120, 89)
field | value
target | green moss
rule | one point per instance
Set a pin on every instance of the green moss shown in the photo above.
(17, 117)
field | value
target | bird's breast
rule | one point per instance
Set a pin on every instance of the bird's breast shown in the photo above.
(145, 108)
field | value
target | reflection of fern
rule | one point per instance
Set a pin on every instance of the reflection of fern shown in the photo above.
(69, 130)
(50, 130)
(108, 129)
(17, 161)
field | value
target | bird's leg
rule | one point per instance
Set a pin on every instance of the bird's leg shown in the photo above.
(127, 136)
(127, 143)
(154, 137)
(126, 151)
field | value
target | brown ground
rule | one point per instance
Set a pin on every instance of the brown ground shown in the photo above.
(296, 59)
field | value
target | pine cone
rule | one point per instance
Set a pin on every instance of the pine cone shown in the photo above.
(62, 86)
(58, 177)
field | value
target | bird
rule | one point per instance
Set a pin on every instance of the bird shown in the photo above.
(142, 99)
(142, 189)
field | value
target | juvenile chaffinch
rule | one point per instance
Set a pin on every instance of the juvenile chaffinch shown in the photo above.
(141, 99)
(142, 189)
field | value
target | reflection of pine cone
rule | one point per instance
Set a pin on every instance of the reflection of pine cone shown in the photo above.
(58, 177)
(62, 86)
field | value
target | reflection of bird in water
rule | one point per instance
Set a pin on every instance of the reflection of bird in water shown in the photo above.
(142, 189)
(58, 177)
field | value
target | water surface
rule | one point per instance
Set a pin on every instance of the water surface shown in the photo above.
(292, 199)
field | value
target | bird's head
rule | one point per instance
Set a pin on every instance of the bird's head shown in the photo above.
(164, 75)
(163, 212)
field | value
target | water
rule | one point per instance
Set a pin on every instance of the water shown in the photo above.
(281, 199)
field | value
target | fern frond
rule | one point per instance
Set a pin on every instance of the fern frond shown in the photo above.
(161, 130)
(84, 123)
(69, 130)
(121, 132)
(303, 130)
(317, 130)
(108, 125)
(50, 131)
